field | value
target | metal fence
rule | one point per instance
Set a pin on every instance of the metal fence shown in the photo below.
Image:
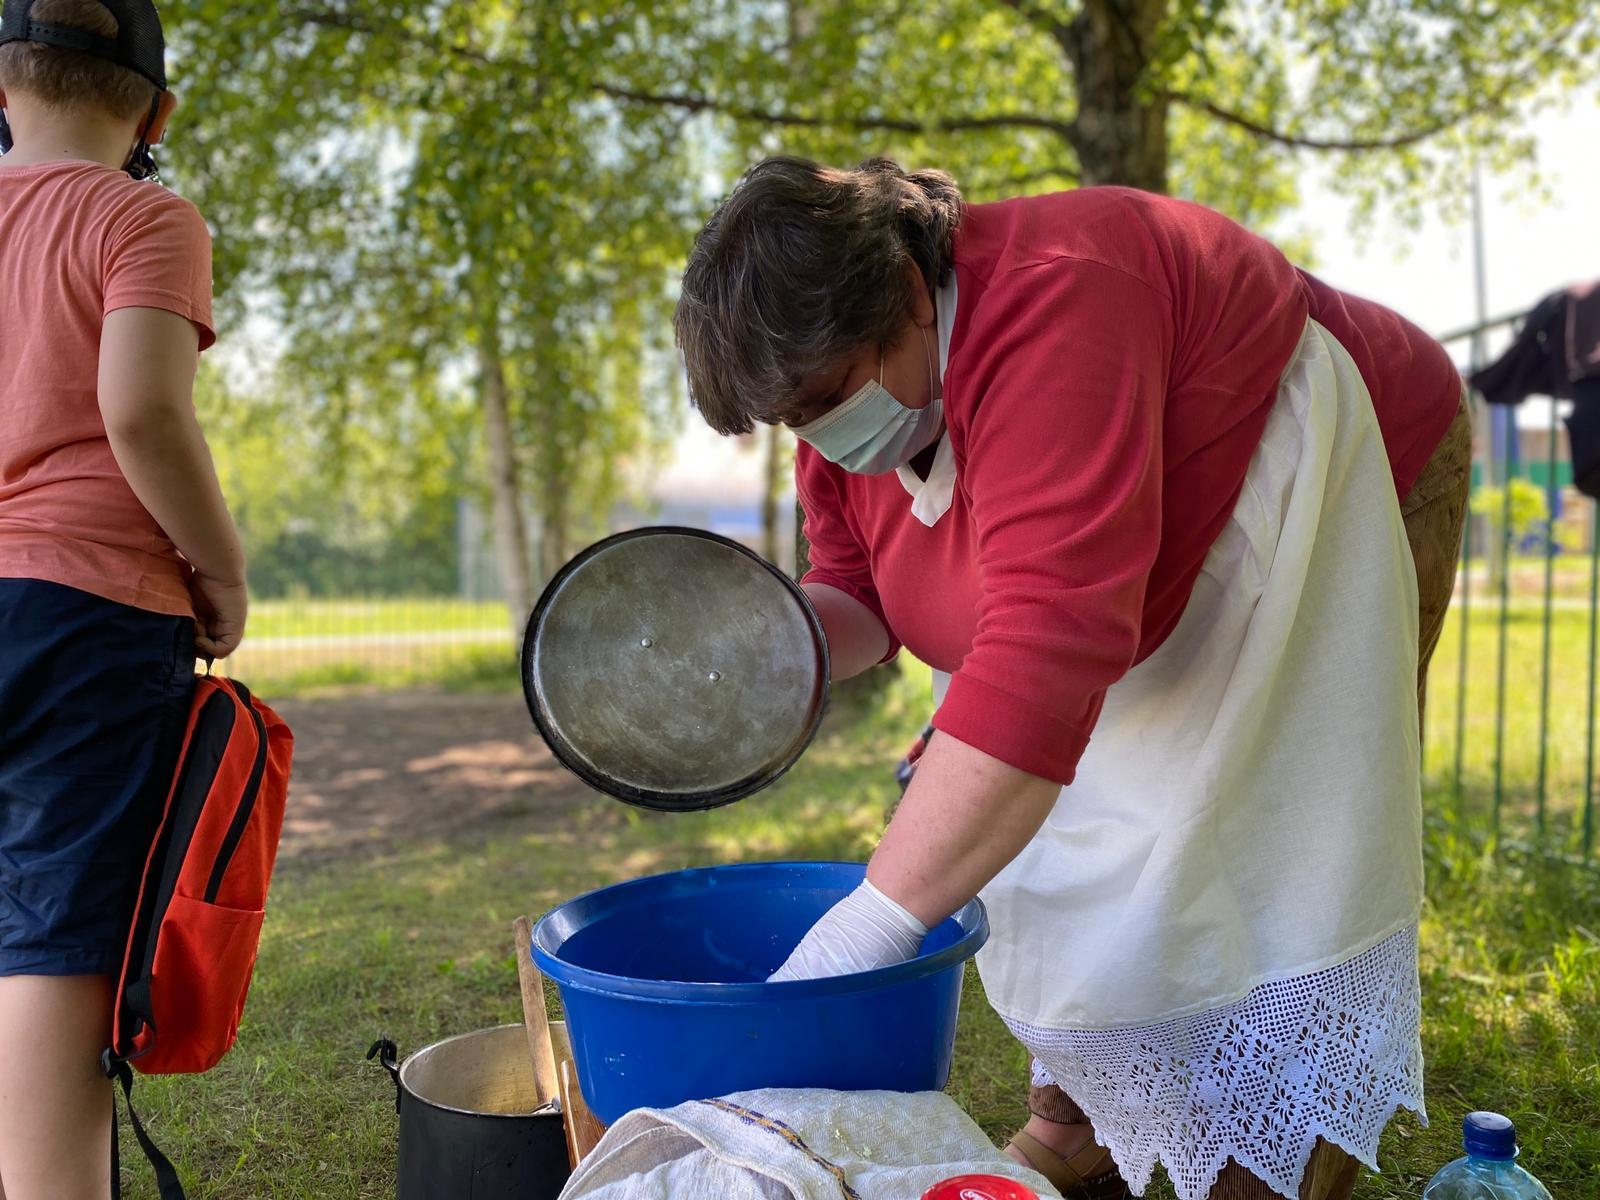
(1509, 740)
(1509, 737)
(420, 611)
(385, 609)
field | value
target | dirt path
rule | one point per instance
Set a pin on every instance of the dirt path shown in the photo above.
(374, 772)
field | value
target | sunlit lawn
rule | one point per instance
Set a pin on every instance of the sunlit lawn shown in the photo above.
(355, 616)
(1513, 719)
(417, 945)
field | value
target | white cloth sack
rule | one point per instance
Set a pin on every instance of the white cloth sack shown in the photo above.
(792, 1144)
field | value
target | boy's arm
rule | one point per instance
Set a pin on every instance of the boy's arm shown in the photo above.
(148, 359)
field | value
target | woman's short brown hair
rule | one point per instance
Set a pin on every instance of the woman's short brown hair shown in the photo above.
(70, 80)
(802, 266)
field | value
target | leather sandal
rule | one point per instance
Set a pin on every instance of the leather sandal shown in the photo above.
(1090, 1174)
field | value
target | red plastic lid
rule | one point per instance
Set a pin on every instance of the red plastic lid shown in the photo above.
(979, 1187)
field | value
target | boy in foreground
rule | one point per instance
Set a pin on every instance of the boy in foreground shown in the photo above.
(118, 558)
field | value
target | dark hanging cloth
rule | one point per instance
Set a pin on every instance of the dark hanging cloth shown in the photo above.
(1583, 428)
(1557, 353)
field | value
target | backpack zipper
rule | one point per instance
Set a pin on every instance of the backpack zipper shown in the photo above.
(177, 832)
(247, 804)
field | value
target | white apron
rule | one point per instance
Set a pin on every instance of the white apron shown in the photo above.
(1211, 942)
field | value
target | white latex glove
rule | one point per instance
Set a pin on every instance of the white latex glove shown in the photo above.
(864, 930)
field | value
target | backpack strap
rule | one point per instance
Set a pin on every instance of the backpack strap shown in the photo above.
(166, 1177)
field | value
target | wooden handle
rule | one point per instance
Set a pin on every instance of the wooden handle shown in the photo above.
(546, 1082)
(583, 1128)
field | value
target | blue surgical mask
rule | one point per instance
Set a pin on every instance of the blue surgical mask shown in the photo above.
(872, 433)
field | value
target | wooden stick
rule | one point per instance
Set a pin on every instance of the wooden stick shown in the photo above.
(584, 1129)
(546, 1082)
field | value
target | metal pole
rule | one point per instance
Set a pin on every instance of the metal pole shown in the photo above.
(1479, 357)
(1508, 475)
(1480, 271)
(1461, 665)
(1550, 494)
(1594, 629)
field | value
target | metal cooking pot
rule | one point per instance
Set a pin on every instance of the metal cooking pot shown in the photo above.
(469, 1124)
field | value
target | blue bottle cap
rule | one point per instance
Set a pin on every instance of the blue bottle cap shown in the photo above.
(1489, 1135)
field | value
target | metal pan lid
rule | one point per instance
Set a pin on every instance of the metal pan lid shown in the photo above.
(675, 669)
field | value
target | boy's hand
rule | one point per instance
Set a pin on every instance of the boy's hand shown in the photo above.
(220, 609)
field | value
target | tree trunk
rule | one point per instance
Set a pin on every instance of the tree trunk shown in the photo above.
(803, 23)
(802, 548)
(804, 20)
(557, 516)
(505, 490)
(1120, 135)
(771, 491)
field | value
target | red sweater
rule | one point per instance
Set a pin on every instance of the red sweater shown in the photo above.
(1114, 359)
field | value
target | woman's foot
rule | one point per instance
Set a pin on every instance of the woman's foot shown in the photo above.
(1069, 1157)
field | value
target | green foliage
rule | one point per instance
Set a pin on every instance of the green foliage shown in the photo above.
(1400, 95)
(363, 505)
(406, 193)
(977, 88)
(478, 669)
(1433, 85)
(399, 188)
(1529, 509)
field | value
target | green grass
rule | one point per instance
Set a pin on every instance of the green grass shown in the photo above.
(320, 647)
(344, 617)
(445, 668)
(1566, 727)
(417, 945)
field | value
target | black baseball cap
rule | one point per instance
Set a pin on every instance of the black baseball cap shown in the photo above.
(139, 44)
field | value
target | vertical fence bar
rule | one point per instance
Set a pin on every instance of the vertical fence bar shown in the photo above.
(1478, 356)
(1551, 493)
(1461, 663)
(1594, 627)
(1506, 479)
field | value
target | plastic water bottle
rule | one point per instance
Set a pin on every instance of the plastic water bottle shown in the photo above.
(1489, 1171)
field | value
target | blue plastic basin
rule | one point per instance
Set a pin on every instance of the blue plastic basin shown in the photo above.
(663, 980)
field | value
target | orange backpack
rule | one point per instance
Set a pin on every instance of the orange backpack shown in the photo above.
(197, 926)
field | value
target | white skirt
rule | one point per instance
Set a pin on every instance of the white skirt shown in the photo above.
(1211, 943)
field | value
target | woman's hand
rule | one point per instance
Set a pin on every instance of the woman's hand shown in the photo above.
(863, 931)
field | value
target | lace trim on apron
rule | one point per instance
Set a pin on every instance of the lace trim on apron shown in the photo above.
(1333, 1055)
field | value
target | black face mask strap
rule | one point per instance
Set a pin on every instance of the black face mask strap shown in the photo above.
(5, 134)
(142, 165)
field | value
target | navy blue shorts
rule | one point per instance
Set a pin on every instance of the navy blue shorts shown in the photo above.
(94, 697)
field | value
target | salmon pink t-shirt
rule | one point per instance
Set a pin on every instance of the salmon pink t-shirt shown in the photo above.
(79, 240)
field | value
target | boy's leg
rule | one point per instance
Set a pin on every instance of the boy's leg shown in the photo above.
(55, 1104)
(93, 700)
